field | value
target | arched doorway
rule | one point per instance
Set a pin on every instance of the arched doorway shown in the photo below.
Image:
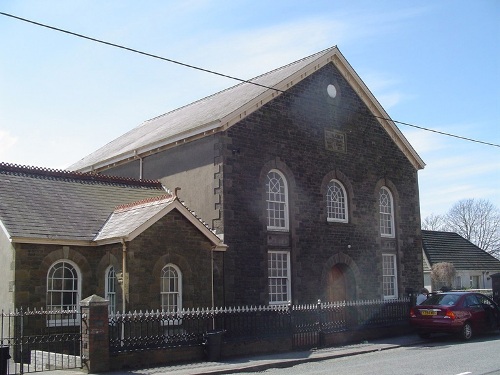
(341, 284)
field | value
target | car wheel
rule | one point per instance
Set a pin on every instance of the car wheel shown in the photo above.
(424, 335)
(466, 332)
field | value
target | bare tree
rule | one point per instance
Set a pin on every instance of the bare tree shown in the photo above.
(434, 222)
(478, 221)
(443, 274)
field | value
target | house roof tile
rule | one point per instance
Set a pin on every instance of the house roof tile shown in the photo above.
(39, 203)
(453, 248)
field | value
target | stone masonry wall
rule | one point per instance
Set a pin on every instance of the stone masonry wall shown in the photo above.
(173, 239)
(289, 134)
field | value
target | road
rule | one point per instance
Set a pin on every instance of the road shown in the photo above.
(442, 355)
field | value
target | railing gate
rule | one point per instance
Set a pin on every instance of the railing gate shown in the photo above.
(40, 340)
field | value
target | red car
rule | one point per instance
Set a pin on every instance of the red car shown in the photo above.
(462, 313)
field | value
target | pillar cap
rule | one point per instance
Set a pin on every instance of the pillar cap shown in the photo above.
(94, 299)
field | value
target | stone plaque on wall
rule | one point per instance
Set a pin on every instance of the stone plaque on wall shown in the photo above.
(335, 141)
(388, 244)
(278, 239)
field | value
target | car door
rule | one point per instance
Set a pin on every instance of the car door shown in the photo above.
(476, 312)
(492, 313)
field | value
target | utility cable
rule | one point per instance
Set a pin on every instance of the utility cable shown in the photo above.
(221, 74)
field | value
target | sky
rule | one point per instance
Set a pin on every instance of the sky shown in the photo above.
(434, 64)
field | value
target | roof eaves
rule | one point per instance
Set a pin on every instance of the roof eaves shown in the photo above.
(52, 241)
(201, 225)
(154, 148)
(6, 232)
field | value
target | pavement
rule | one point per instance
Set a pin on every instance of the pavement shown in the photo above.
(263, 362)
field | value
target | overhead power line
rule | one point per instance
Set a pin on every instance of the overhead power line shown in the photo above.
(132, 50)
(439, 132)
(219, 74)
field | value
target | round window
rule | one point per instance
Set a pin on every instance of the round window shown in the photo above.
(332, 91)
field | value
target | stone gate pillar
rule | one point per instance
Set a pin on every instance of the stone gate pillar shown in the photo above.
(95, 334)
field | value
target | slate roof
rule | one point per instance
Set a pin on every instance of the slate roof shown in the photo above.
(129, 220)
(223, 109)
(453, 248)
(44, 204)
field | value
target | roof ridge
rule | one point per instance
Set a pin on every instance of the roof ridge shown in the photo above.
(125, 206)
(84, 176)
(248, 81)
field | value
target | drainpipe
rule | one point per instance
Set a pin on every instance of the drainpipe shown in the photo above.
(125, 275)
(140, 168)
(212, 282)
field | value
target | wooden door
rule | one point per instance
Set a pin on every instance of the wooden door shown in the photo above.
(337, 284)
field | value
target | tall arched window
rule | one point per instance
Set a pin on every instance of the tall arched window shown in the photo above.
(110, 288)
(277, 201)
(171, 288)
(386, 213)
(63, 291)
(336, 202)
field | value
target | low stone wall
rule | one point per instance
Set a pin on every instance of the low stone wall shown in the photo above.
(179, 355)
(240, 348)
(97, 356)
(249, 347)
(364, 334)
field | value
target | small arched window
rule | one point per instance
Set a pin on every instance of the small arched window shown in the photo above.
(63, 291)
(110, 288)
(336, 202)
(277, 201)
(171, 288)
(386, 213)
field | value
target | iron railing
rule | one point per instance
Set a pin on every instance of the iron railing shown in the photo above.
(142, 330)
(39, 340)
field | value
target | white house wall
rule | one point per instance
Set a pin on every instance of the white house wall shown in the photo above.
(7, 271)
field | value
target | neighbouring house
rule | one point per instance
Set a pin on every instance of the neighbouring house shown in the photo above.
(67, 235)
(303, 175)
(473, 265)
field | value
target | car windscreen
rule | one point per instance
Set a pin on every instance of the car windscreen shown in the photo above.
(442, 299)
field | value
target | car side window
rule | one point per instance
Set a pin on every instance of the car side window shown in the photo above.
(449, 300)
(485, 301)
(471, 301)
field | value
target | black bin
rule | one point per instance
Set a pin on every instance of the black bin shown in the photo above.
(213, 345)
(4, 359)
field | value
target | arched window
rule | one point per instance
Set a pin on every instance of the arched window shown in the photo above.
(386, 213)
(63, 291)
(277, 201)
(110, 288)
(171, 288)
(336, 202)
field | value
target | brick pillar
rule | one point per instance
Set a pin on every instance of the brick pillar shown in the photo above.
(95, 334)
